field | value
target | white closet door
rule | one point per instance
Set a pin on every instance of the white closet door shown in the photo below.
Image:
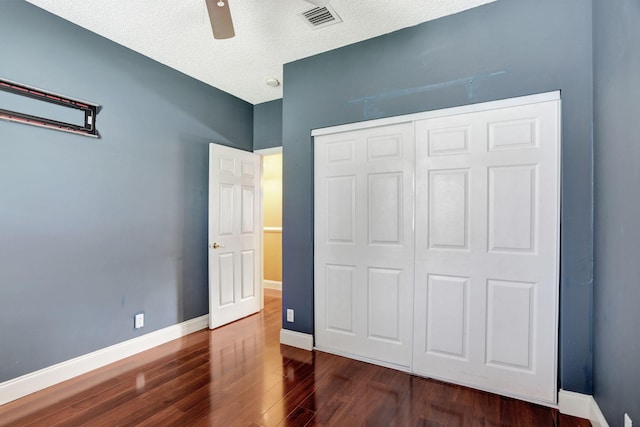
(364, 244)
(487, 233)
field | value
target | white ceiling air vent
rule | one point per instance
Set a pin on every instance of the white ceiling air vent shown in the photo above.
(319, 17)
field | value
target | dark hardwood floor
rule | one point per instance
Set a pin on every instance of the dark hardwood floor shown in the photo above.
(239, 375)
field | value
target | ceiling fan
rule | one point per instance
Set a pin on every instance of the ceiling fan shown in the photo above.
(220, 17)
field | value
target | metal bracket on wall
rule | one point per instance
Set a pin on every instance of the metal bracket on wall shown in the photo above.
(21, 97)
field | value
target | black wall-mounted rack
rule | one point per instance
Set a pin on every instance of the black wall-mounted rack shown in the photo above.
(90, 110)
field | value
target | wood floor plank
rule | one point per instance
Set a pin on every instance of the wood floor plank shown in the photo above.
(240, 375)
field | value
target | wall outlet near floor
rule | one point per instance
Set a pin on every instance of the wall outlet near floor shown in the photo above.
(138, 321)
(290, 315)
(627, 421)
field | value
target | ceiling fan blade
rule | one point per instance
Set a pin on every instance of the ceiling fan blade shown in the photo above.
(220, 17)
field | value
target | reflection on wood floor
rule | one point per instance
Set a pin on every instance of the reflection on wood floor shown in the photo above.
(239, 375)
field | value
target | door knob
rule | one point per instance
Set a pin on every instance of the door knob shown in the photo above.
(216, 246)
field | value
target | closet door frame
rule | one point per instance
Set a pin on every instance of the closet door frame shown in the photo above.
(473, 108)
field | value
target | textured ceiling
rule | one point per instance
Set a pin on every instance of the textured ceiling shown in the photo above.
(269, 33)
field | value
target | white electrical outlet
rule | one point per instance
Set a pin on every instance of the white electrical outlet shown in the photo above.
(290, 315)
(627, 421)
(139, 321)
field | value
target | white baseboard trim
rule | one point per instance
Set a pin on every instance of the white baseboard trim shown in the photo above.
(581, 405)
(272, 284)
(296, 339)
(46, 377)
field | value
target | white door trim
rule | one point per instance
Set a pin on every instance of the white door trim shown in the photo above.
(268, 151)
(268, 284)
(471, 108)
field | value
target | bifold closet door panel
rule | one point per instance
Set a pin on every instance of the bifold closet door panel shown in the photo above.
(486, 258)
(363, 242)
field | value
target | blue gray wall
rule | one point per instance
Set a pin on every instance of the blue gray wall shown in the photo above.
(617, 208)
(267, 125)
(501, 50)
(93, 231)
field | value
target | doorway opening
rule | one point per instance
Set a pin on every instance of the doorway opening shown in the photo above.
(272, 221)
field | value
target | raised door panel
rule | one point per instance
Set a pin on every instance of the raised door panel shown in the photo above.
(513, 134)
(247, 210)
(384, 304)
(227, 293)
(385, 208)
(247, 266)
(339, 286)
(227, 165)
(226, 210)
(448, 141)
(510, 323)
(448, 226)
(513, 208)
(384, 147)
(447, 316)
(340, 209)
(248, 169)
(339, 152)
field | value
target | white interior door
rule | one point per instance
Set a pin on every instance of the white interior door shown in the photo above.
(487, 236)
(363, 278)
(235, 246)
